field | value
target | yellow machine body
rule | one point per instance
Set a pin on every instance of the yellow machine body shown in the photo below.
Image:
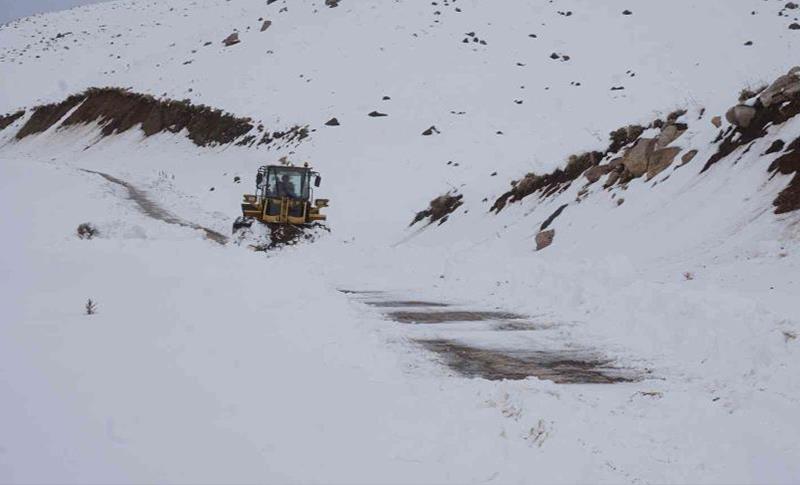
(284, 196)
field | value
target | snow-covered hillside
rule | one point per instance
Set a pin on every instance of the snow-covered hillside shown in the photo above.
(207, 362)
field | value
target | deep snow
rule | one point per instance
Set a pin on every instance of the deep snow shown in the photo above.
(210, 364)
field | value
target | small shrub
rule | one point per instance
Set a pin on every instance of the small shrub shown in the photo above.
(87, 230)
(91, 307)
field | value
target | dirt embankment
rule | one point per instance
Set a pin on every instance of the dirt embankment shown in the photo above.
(117, 110)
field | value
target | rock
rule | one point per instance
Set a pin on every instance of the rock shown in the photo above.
(545, 238)
(791, 6)
(613, 178)
(794, 26)
(688, 156)
(784, 88)
(627, 12)
(595, 173)
(332, 3)
(376, 114)
(636, 158)
(332, 122)
(740, 115)
(266, 25)
(232, 39)
(660, 160)
(669, 134)
(716, 121)
(430, 131)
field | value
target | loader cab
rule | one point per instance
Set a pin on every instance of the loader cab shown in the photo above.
(291, 182)
(283, 196)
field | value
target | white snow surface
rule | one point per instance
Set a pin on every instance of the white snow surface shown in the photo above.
(210, 364)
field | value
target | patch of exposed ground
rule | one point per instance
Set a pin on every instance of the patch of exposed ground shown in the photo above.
(406, 304)
(118, 110)
(561, 367)
(443, 333)
(421, 317)
(154, 211)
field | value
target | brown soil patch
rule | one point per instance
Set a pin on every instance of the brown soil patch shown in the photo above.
(561, 367)
(421, 317)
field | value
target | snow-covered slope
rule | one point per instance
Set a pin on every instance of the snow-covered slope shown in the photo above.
(211, 363)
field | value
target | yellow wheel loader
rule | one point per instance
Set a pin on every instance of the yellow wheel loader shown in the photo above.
(283, 196)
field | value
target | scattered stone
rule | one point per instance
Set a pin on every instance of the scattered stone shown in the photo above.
(266, 25)
(688, 156)
(232, 39)
(627, 12)
(595, 173)
(660, 160)
(377, 114)
(740, 115)
(545, 239)
(669, 134)
(430, 131)
(332, 122)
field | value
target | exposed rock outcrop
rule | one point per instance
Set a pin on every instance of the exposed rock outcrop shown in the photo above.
(440, 208)
(116, 111)
(8, 120)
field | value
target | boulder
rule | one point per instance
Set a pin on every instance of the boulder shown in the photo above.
(740, 115)
(545, 238)
(669, 134)
(660, 160)
(595, 173)
(716, 121)
(783, 89)
(688, 156)
(232, 39)
(636, 158)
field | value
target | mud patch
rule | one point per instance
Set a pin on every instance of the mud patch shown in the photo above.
(431, 317)
(154, 211)
(561, 367)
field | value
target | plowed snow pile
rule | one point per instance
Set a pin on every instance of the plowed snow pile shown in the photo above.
(667, 269)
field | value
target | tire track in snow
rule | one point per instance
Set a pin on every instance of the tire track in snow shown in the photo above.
(155, 211)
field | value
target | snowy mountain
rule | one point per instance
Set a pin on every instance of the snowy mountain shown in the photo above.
(648, 150)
